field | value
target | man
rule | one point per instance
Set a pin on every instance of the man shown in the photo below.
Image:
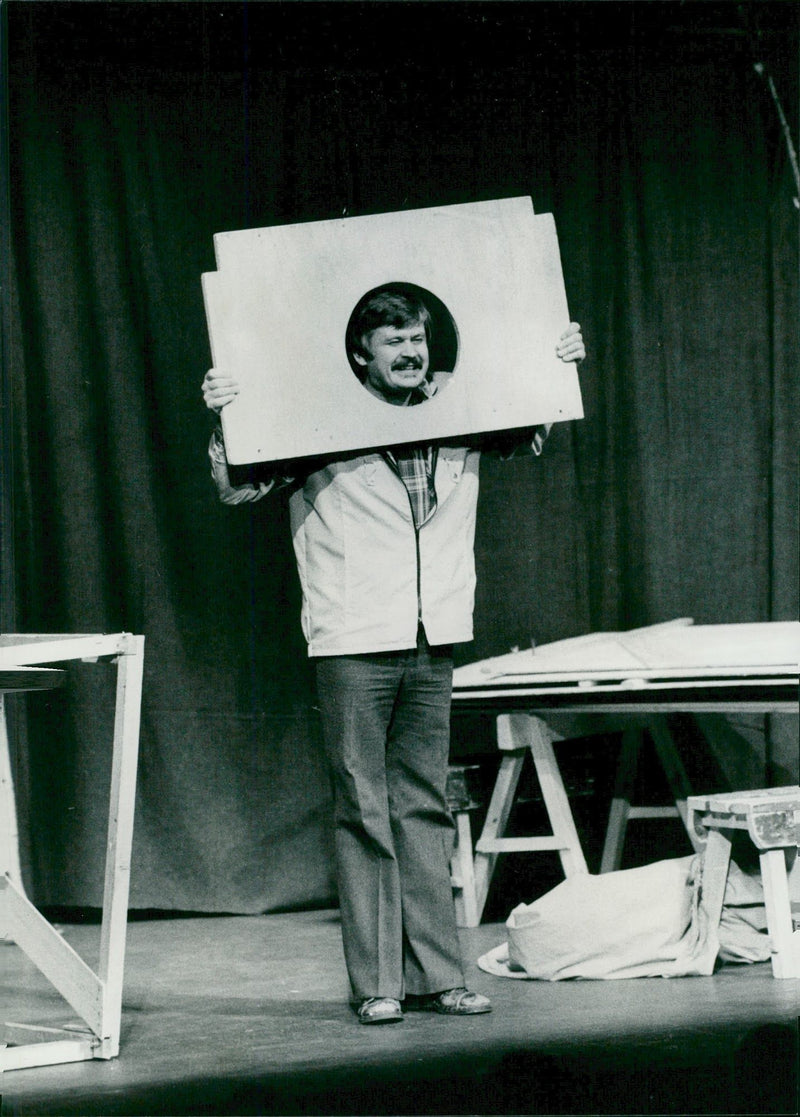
(384, 549)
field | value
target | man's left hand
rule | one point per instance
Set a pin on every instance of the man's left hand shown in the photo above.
(570, 345)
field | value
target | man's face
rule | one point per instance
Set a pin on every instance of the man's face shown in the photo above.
(397, 361)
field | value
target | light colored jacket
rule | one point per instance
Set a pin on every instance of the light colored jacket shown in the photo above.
(366, 574)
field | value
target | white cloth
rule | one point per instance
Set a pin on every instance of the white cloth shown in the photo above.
(646, 922)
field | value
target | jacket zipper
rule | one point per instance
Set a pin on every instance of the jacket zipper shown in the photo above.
(419, 574)
(387, 458)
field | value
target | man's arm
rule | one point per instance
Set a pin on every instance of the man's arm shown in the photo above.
(228, 492)
(219, 390)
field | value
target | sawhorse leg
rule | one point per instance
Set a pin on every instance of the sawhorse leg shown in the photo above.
(621, 808)
(463, 873)
(518, 734)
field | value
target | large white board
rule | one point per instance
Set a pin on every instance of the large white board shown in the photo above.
(280, 301)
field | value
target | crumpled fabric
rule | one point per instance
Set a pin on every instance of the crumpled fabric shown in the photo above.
(652, 921)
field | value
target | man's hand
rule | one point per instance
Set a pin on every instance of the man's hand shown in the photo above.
(570, 345)
(219, 389)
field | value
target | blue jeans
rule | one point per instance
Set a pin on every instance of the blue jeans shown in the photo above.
(386, 725)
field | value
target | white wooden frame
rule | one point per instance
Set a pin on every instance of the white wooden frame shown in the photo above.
(95, 996)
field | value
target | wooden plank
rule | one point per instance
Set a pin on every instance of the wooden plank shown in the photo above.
(636, 674)
(17, 649)
(466, 902)
(555, 796)
(120, 839)
(532, 844)
(775, 696)
(785, 944)
(666, 811)
(46, 1054)
(750, 646)
(53, 956)
(665, 651)
(497, 814)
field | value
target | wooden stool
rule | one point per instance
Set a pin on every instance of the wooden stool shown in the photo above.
(772, 819)
(517, 734)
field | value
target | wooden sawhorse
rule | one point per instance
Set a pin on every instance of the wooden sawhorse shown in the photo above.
(771, 817)
(517, 735)
(95, 997)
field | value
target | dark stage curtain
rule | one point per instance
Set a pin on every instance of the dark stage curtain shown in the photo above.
(137, 131)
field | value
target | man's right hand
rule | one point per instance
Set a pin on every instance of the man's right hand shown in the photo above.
(219, 389)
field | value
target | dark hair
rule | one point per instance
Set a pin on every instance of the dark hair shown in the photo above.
(394, 304)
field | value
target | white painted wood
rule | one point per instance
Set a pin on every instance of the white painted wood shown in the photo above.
(46, 1054)
(280, 301)
(673, 655)
(53, 956)
(554, 793)
(496, 816)
(120, 839)
(18, 649)
(467, 914)
(783, 942)
(615, 700)
(531, 844)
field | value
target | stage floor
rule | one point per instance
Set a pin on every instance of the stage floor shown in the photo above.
(249, 1015)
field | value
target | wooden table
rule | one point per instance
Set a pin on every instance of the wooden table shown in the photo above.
(643, 675)
(95, 997)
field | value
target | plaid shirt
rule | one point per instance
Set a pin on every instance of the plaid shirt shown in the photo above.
(416, 466)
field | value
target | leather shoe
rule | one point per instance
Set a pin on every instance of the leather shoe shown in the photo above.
(379, 1010)
(450, 1002)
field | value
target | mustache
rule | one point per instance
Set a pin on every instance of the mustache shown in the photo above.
(403, 363)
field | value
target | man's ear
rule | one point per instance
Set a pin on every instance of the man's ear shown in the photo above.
(359, 359)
